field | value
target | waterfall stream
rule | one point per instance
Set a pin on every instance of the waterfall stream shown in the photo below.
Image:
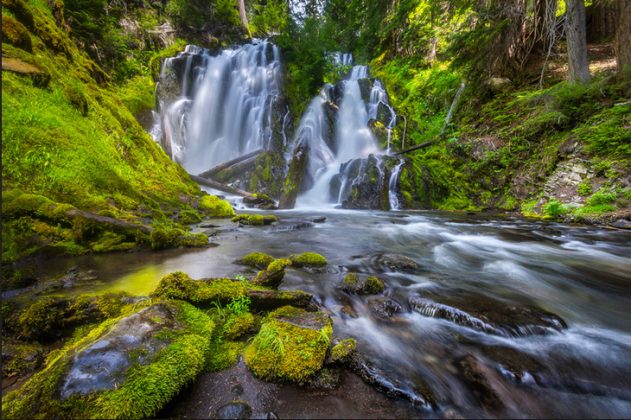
(225, 103)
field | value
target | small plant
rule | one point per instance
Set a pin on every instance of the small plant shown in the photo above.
(221, 311)
(269, 338)
(554, 209)
(239, 305)
(240, 277)
(584, 188)
(602, 197)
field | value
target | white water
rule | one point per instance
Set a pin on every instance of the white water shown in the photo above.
(229, 113)
(353, 137)
(392, 186)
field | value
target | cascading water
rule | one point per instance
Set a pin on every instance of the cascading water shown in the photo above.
(225, 104)
(336, 164)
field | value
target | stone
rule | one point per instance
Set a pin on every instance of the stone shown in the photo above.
(396, 262)
(486, 314)
(383, 307)
(234, 410)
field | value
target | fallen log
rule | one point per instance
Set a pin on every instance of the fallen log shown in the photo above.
(219, 186)
(215, 170)
(411, 149)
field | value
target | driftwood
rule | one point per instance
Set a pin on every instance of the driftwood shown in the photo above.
(411, 149)
(219, 186)
(215, 170)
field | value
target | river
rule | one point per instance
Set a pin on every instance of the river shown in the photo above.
(502, 316)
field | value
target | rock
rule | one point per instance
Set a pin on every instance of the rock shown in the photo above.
(383, 307)
(327, 379)
(362, 285)
(307, 259)
(291, 345)
(15, 65)
(480, 377)
(622, 224)
(255, 219)
(295, 174)
(318, 219)
(363, 184)
(344, 351)
(258, 260)
(261, 201)
(273, 275)
(234, 410)
(396, 262)
(563, 184)
(498, 84)
(486, 314)
(164, 345)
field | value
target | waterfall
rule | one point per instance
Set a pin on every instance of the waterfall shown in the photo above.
(393, 199)
(224, 109)
(336, 164)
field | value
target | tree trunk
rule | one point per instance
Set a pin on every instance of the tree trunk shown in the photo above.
(623, 37)
(244, 17)
(576, 34)
(225, 165)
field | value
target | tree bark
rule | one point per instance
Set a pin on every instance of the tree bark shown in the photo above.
(215, 170)
(576, 34)
(244, 17)
(219, 186)
(623, 37)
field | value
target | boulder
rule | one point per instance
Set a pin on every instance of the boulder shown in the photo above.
(383, 307)
(127, 367)
(362, 285)
(486, 314)
(291, 345)
(395, 262)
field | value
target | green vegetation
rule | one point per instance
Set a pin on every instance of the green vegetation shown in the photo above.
(343, 351)
(258, 260)
(215, 207)
(283, 350)
(307, 259)
(254, 219)
(273, 274)
(145, 388)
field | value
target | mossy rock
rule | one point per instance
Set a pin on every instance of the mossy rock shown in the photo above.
(343, 351)
(188, 217)
(127, 367)
(164, 238)
(214, 206)
(258, 260)
(290, 346)
(273, 275)
(51, 318)
(307, 259)
(15, 33)
(254, 219)
(238, 325)
(202, 293)
(21, 11)
(370, 285)
(19, 359)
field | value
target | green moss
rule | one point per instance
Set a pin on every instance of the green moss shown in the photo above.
(343, 351)
(254, 219)
(20, 358)
(307, 259)
(111, 241)
(351, 281)
(215, 207)
(258, 260)
(145, 389)
(284, 351)
(553, 208)
(273, 274)
(164, 238)
(373, 285)
(529, 208)
(203, 293)
(188, 217)
(584, 188)
(13, 32)
(238, 325)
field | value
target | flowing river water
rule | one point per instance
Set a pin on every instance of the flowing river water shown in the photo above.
(502, 317)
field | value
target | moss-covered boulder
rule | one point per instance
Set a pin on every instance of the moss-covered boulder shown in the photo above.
(273, 275)
(343, 351)
(206, 292)
(214, 206)
(258, 260)
(238, 325)
(290, 346)
(254, 219)
(307, 259)
(260, 201)
(189, 217)
(362, 285)
(165, 238)
(128, 367)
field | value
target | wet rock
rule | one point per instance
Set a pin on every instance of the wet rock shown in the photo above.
(290, 225)
(307, 259)
(480, 377)
(164, 345)
(295, 174)
(362, 285)
(486, 314)
(260, 201)
(273, 275)
(622, 224)
(267, 300)
(344, 351)
(326, 379)
(318, 219)
(384, 307)
(396, 262)
(258, 260)
(234, 410)
(517, 366)
(364, 183)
